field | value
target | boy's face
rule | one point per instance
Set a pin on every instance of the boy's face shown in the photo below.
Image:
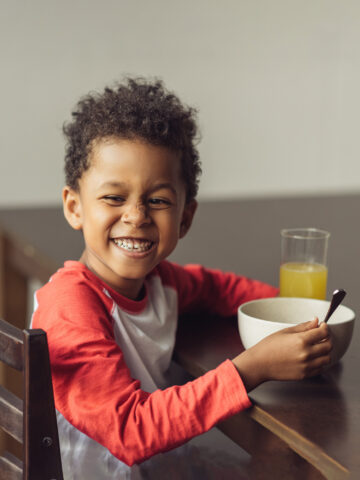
(131, 209)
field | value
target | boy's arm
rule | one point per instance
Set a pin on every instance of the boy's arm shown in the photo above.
(95, 392)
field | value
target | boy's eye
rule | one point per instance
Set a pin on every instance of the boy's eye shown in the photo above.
(159, 203)
(114, 199)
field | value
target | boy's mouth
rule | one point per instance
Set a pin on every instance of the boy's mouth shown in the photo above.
(133, 245)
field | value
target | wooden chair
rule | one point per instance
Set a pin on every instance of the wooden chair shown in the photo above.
(31, 421)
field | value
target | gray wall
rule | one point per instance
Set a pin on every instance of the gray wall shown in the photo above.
(276, 83)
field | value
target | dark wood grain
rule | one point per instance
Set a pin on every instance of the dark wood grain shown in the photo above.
(41, 442)
(10, 467)
(32, 421)
(13, 307)
(11, 414)
(11, 345)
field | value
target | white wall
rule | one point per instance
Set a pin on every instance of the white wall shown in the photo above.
(276, 81)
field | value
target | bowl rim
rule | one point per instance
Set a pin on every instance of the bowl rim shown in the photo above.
(293, 300)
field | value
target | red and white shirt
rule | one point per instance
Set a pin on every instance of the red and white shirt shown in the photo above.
(110, 356)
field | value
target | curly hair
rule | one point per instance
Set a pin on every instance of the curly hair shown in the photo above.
(136, 109)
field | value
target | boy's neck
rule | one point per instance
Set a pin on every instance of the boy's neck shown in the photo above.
(133, 291)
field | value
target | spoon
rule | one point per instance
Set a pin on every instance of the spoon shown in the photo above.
(337, 298)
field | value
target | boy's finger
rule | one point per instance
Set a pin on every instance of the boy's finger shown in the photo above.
(316, 366)
(303, 327)
(321, 349)
(320, 362)
(316, 335)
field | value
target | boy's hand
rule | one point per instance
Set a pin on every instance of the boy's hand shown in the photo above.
(293, 353)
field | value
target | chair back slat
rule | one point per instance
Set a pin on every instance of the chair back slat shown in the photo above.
(11, 467)
(11, 345)
(11, 414)
(31, 421)
(41, 441)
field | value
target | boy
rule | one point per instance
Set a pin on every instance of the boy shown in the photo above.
(131, 181)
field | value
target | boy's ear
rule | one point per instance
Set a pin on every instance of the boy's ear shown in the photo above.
(187, 218)
(72, 207)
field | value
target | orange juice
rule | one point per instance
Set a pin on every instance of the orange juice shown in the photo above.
(303, 280)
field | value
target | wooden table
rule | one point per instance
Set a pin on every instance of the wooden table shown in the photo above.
(308, 429)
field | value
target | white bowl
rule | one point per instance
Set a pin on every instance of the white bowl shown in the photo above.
(259, 318)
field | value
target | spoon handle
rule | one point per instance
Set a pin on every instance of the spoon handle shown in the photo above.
(337, 298)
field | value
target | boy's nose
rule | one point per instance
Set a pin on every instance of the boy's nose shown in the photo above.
(136, 214)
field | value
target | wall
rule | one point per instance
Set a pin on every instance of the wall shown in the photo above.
(276, 83)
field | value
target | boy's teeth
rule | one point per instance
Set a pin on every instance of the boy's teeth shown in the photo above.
(133, 245)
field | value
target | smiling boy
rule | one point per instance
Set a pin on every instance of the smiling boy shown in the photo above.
(131, 180)
(131, 207)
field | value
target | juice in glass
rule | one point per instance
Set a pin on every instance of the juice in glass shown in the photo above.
(303, 280)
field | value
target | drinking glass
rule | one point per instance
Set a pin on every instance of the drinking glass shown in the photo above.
(303, 269)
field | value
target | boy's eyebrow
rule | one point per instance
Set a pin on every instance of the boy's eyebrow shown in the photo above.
(112, 184)
(158, 186)
(164, 185)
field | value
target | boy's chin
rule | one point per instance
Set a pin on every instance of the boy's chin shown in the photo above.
(132, 274)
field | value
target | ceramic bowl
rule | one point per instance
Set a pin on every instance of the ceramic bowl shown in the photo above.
(259, 318)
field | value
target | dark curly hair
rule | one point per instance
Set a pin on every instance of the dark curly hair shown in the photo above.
(136, 109)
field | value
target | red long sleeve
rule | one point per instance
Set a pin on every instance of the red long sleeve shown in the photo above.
(93, 386)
